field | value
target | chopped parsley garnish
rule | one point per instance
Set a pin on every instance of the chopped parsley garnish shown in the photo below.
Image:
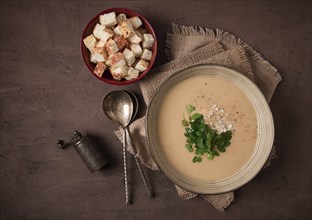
(201, 139)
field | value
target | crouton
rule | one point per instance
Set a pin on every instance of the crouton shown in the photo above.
(147, 54)
(136, 49)
(99, 69)
(116, 60)
(120, 41)
(121, 17)
(119, 72)
(117, 30)
(132, 73)
(97, 30)
(100, 50)
(136, 22)
(102, 33)
(97, 58)
(148, 41)
(111, 47)
(100, 44)
(90, 42)
(142, 65)
(126, 29)
(134, 39)
(129, 56)
(108, 20)
(106, 34)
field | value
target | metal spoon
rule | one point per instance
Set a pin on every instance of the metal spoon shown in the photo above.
(118, 107)
(135, 103)
(135, 111)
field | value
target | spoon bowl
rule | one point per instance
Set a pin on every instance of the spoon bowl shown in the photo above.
(118, 107)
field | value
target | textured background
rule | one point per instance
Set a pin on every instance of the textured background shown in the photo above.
(47, 93)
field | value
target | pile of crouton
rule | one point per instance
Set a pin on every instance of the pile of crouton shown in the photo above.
(121, 45)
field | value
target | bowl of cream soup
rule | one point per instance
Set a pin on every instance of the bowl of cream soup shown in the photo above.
(227, 101)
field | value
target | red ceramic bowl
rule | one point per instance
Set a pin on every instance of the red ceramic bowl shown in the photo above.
(107, 77)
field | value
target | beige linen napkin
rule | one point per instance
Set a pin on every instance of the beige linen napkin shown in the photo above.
(189, 46)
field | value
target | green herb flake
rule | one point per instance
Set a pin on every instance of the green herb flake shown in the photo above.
(203, 139)
(210, 157)
(185, 123)
(189, 147)
(190, 109)
(196, 116)
(197, 159)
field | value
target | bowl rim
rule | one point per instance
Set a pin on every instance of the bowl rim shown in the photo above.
(235, 180)
(151, 63)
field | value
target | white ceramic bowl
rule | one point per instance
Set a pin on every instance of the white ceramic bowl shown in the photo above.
(261, 151)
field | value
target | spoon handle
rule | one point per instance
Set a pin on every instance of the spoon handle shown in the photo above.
(150, 194)
(125, 165)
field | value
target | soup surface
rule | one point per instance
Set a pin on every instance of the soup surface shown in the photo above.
(224, 107)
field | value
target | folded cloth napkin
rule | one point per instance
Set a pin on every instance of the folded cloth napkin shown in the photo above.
(189, 46)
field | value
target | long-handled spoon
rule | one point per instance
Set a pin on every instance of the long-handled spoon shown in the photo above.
(118, 107)
(135, 110)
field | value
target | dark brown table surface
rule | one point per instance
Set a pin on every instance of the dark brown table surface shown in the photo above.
(47, 93)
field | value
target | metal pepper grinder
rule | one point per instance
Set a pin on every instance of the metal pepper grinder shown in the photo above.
(90, 153)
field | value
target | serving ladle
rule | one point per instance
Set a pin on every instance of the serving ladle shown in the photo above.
(118, 107)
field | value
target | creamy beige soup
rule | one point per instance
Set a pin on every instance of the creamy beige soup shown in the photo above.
(231, 107)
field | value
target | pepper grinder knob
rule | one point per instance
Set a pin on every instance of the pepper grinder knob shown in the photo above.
(60, 143)
(77, 137)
